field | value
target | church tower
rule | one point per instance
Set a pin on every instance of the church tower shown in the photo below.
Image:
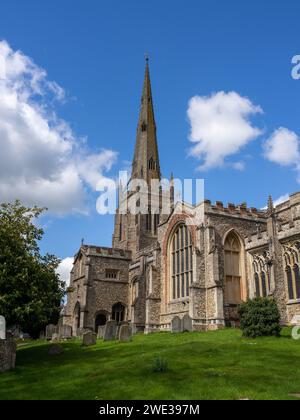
(137, 231)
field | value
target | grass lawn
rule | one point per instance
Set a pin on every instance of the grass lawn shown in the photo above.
(212, 365)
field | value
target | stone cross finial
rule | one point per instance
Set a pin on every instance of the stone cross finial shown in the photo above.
(2, 328)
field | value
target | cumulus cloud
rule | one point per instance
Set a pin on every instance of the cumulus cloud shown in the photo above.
(221, 127)
(281, 199)
(41, 161)
(64, 269)
(283, 148)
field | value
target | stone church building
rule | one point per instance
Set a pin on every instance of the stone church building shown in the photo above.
(160, 266)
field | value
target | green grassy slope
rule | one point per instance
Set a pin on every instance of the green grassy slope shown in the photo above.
(213, 365)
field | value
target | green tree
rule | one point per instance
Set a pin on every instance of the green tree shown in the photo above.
(30, 290)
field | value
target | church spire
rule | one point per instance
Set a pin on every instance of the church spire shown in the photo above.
(145, 164)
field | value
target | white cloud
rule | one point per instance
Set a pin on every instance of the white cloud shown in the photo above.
(90, 166)
(283, 148)
(239, 166)
(282, 199)
(64, 269)
(221, 127)
(42, 162)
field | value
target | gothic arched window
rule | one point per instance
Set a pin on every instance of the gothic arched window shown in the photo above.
(297, 280)
(257, 285)
(233, 277)
(263, 284)
(118, 312)
(77, 313)
(100, 320)
(292, 269)
(181, 262)
(289, 277)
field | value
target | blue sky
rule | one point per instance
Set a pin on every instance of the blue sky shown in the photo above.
(95, 51)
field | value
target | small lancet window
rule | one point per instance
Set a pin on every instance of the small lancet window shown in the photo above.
(144, 126)
(152, 164)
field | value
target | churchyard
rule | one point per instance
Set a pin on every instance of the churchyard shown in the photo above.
(211, 365)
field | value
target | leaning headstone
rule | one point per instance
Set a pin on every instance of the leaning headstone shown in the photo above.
(125, 333)
(65, 331)
(89, 339)
(101, 329)
(55, 349)
(110, 331)
(50, 330)
(176, 325)
(2, 328)
(187, 324)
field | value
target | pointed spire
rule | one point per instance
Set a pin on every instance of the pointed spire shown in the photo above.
(270, 206)
(146, 158)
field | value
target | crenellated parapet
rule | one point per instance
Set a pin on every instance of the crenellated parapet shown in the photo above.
(259, 239)
(232, 210)
(96, 251)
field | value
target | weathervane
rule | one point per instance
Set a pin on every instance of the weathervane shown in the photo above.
(147, 57)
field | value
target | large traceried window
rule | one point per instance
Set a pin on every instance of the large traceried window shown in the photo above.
(292, 269)
(181, 262)
(261, 275)
(233, 276)
(293, 282)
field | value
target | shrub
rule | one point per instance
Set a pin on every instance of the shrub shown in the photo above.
(260, 317)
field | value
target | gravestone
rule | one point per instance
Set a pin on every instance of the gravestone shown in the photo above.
(50, 330)
(187, 324)
(8, 350)
(101, 331)
(55, 349)
(110, 331)
(2, 328)
(119, 327)
(55, 338)
(42, 335)
(89, 338)
(65, 331)
(125, 333)
(176, 325)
